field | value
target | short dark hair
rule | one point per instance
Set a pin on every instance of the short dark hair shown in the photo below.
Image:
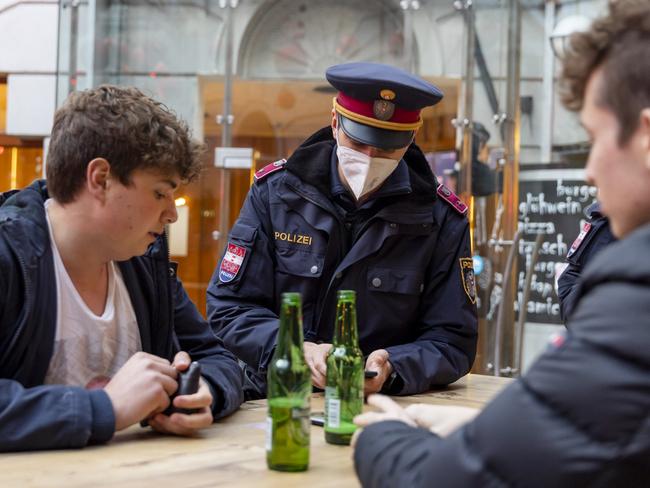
(620, 44)
(125, 127)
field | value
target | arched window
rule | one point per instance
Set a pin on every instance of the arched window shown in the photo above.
(300, 39)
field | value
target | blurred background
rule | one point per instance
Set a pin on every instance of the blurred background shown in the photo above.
(248, 77)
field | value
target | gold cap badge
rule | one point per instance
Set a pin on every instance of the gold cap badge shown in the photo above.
(387, 94)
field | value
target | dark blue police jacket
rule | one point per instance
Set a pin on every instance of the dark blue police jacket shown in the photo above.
(37, 416)
(413, 299)
(595, 236)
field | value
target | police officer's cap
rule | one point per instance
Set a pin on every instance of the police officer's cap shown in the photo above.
(379, 105)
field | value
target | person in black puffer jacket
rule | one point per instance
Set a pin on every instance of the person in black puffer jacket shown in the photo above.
(581, 415)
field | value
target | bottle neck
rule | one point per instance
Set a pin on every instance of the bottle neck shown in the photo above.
(345, 332)
(290, 333)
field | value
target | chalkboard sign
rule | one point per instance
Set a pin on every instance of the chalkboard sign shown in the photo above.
(552, 203)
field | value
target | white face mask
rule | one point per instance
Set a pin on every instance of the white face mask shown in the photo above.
(362, 172)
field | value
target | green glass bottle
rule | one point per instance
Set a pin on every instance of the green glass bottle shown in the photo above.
(344, 384)
(289, 393)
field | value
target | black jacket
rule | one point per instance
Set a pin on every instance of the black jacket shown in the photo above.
(405, 265)
(579, 417)
(595, 236)
(34, 416)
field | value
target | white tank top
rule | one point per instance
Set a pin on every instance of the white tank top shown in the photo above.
(88, 348)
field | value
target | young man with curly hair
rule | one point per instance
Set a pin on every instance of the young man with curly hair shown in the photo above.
(95, 326)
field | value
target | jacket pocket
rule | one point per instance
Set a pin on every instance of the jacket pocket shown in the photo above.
(391, 304)
(243, 232)
(395, 280)
(299, 262)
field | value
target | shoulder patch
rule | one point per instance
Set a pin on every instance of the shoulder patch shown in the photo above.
(581, 237)
(260, 174)
(468, 278)
(231, 262)
(452, 199)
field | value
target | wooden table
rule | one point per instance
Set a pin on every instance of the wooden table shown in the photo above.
(230, 453)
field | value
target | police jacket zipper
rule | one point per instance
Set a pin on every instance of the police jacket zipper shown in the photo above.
(342, 250)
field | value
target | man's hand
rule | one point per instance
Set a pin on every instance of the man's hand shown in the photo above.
(141, 387)
(377, 361)
(387, 410)
(180, 423)
(316, 358)
(441, 419)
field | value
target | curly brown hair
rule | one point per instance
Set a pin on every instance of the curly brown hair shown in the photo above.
(620, 44)
(125, 127)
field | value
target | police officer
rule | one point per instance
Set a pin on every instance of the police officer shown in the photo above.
(594, 236)
(485, 181)
(355, 207)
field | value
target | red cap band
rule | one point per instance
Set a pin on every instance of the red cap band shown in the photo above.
(365, 108)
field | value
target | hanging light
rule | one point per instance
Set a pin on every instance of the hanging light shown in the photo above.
(563, 30)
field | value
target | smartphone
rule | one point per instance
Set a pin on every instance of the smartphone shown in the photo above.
(317, 418)
(370, 374)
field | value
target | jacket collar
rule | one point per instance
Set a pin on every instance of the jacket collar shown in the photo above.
(623, 260)
(22, 213)
(593, 211)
